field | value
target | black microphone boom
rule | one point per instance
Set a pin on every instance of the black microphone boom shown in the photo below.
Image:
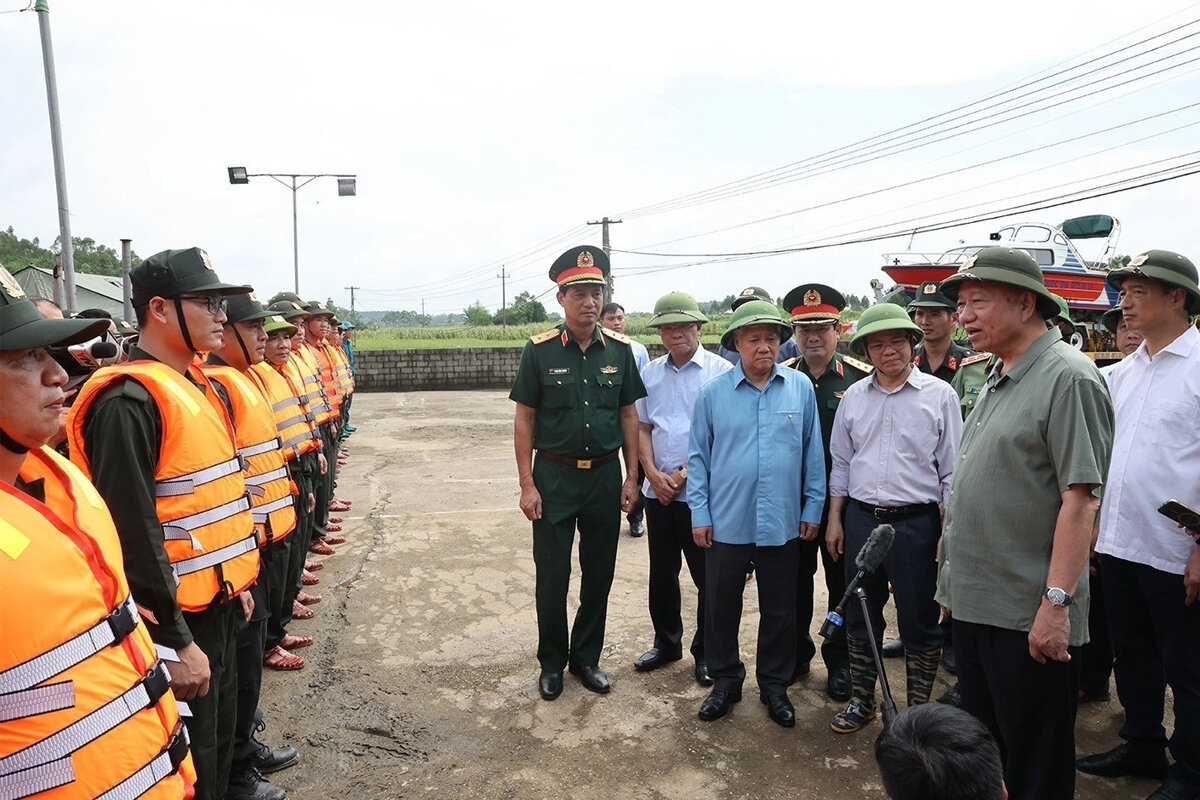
(869, 558)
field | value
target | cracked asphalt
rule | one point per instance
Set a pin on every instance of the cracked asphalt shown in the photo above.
(422, 680)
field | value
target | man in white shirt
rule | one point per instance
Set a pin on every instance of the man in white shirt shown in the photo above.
(665, 416)
(1151, 568)
(895, 441)
(612, 316)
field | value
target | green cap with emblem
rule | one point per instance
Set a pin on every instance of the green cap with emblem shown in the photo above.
(172, 273)
(748, 294)
(580, 265)
(22, 326)
(756, 312)
(288, 309)
(315, 309)
(1165, 266)
(1111, 319)
(1008, 266)
(245, 308)
(884, 317)
(929, 295)
(275, 323)
(675, 308)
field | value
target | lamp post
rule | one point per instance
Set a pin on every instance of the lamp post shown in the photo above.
(347, 187)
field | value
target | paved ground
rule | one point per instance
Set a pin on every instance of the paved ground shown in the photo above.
(422, 680)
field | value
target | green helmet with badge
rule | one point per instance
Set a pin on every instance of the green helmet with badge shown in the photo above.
(748, 294)
(756, 312)
(1164, 266)
(884, 317)
(288, 309)
(676, 308)
(315, 309)
(22, 326)
(275, 323)
(1008, 266)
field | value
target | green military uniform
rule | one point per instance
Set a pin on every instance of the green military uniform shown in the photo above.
(969, 379)
(577, 396)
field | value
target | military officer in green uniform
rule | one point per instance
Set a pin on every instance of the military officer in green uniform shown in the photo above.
(814, 309)
(575, 391)
(937, 315)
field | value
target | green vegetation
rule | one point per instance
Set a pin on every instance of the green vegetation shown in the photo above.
(97, 259)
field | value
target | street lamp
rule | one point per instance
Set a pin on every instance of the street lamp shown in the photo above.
(347, 187)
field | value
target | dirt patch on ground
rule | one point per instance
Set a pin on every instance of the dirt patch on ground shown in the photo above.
(422, 681)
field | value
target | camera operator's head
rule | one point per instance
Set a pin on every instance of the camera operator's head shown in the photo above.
(31, 381)
(938, 752)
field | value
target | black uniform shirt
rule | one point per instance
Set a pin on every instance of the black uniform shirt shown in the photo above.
(947, 369)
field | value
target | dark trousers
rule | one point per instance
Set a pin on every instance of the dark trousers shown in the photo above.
(669, 529)
(833, 649)
(589, 499)
(214, 716)
(1156, 643)
(1097, 655)
(274, 573)
(323, 485)
(911, 568)
(1029, 707)
(305, 532)
(639, 507)
(725, 568)
(250, 639)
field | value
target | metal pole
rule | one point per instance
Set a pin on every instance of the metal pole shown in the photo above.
(126, 281)
(57, 277)
(60, 170)
(295, 238)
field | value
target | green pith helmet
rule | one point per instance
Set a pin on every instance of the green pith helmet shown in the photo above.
(245, 308)
(675, 308)
(1064, 312)
(756, 312)
(291, 297)
(884, 317)
(288, 309)
(22, 326)
(1162, 265)
(1111, 319)
(748, 294)
(277, 323)
(172, 273)
(1008, 266)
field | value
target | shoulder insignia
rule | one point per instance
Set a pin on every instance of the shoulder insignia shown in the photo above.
(861, 366)
(544, 336)
(952, 363)
(974, 359)
(619, 337)
(792, 362)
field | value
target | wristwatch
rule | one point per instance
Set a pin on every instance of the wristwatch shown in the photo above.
(1058, 597)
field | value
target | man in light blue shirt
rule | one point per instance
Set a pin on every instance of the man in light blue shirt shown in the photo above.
(665, 416)
(789, 348)
(756, 484)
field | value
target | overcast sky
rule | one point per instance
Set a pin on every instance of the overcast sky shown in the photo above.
(482, 131)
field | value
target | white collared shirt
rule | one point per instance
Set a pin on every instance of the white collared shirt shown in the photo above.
(667, 406)
(1156, 454)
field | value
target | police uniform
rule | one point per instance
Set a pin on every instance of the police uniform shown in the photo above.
(577, 396)
(815, 303)
(929, 296)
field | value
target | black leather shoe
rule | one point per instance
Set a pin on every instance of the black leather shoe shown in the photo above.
(780, 709)
(1116, 763)
(272, 759)
(701, 673)
(247, 783)
(550, 685)
(838, 684)
(592, 678)
(893, 648)
(949, 661)
(802, 670)
(655, 658)
(1175, 789)
(717, 704)
(951, 697)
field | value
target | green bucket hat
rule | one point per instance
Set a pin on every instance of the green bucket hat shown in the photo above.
(1064, 312)
(884, 317)
(756, 312)
(1165, 266)
(1008, 266)
(275, 323)
(675, 308)
(172, 273)
(22, 326)
(245, 308)
(1111, 319)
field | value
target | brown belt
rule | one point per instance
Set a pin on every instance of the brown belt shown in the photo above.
(580, 463)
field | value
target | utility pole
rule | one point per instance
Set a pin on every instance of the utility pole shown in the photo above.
(604, 223)
(351, 288)
(422, 310)
(67, 251)
(503, 276)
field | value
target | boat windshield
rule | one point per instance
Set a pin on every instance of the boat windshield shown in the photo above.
(958, 255)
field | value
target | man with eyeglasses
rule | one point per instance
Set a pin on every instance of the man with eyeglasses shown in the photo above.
(155, 437)
(815, 314)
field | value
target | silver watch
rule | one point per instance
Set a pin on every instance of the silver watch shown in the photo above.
(1058, 597)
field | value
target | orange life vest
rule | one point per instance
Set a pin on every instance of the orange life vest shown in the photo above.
(202, 500)
(85, 704)
(341, 369)
(291, 417)
(314, 388)
(259, 443)
(321, 354)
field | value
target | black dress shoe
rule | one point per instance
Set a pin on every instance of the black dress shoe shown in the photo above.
(592, 678)
(949, 661)
(951, 697)
(654, 658)
(838, 684)
(701, 673)
(247, 783)
(717, 704)
(780, 709)
(550, 684)
(1116, 763)
(893, 648)
(1175, 789)
(272, 759)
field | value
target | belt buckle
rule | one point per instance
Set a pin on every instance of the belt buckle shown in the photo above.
(880, 512)
(583, 463)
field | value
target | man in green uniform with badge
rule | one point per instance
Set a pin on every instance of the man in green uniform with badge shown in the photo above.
(937, 316)
(575, 392)
(814, 310)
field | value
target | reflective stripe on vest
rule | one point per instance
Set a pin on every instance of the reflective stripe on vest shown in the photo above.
(260, 448)
(210, 560)
(186, 484)
(164, 764)
(292, 419)
(260, 513)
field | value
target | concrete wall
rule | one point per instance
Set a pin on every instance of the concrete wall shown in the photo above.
(449, 368)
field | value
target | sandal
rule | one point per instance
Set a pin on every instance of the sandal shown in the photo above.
(280, 659)
(308, 579)
(314, 566)
(336, 520)
(294, 641)
(320, 548)
(301, 611)
(342, 500)
(332, 527)
(334, 506)
(304, 598)
(334, 540)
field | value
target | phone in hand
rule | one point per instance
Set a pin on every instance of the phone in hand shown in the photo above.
(1186, 516)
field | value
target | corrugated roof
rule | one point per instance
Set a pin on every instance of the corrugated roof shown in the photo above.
(91, 291)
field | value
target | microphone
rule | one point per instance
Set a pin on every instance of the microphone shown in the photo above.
(868, 560)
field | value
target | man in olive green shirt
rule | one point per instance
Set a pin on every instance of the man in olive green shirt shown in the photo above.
(1019, 519)
(575, 392)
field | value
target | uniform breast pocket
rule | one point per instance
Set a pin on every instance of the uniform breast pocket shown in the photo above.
(558, 391)
(609, 388)
(1173, 424)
